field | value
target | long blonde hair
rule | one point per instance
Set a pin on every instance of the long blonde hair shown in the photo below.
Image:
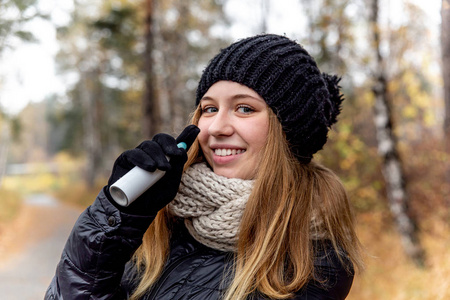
(291, 206)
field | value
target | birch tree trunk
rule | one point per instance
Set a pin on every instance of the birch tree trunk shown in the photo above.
(265, 8)
(387, 148)
(152, 117)
(90, 97)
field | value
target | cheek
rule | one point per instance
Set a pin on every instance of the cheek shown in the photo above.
(202, 139)
(203, 135)
(258, 135)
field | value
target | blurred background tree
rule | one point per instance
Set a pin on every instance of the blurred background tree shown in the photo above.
(392, 164)
(13, 15)
(184, 41)
(445, 52)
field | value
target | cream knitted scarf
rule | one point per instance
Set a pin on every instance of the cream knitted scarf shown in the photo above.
(212, 206)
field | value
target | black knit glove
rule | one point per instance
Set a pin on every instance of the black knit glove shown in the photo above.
(151, 155)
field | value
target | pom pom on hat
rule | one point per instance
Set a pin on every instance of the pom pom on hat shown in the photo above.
(336, 98)
(306, 101)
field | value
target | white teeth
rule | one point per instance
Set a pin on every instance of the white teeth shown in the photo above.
(227, 152)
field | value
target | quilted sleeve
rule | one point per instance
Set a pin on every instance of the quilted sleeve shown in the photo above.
(101, 242)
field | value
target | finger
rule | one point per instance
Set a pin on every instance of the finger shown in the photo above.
(137, 157)
(168, 144)
(156, 157)
(188, 135)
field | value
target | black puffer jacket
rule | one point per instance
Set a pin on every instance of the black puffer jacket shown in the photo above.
(94, 264)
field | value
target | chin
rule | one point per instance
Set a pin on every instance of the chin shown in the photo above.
(234, 174)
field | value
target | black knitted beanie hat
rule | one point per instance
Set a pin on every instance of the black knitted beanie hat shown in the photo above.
(305, 100)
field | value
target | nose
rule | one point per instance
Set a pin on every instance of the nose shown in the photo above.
(221, 125)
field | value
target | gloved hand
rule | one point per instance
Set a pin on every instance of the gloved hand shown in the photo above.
(151, 155)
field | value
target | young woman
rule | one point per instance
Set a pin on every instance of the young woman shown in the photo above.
(246, 213)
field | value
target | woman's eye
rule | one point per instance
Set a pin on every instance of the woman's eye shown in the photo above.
(245, 109)
(209, 109)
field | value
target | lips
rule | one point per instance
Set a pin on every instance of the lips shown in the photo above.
(228, 152)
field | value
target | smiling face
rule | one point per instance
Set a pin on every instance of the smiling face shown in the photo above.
(234, 126)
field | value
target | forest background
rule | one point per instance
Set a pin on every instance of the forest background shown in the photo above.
(129, 69)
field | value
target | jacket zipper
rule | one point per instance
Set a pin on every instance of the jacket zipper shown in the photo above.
(162, 279)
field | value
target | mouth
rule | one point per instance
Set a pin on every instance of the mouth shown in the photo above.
(228, 152)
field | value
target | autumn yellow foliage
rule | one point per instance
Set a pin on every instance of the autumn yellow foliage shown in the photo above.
(389, 274)
(61, 177)
(10, 202)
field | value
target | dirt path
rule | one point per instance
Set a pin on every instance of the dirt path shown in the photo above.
(31, 245)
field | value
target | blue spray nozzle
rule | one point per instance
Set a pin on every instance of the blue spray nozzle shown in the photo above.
(182, 145)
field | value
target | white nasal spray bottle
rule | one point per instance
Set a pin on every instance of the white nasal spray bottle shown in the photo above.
(134, 183)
